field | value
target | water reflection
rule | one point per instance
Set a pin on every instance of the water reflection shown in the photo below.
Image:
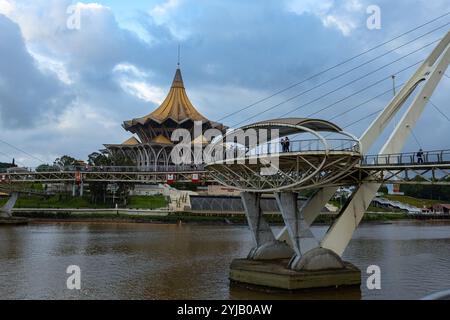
(345, 293)
(144, 261)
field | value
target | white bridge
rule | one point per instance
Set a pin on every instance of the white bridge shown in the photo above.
(324, 159)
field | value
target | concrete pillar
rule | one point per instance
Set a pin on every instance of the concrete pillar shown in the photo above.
(6, 210)
(300, 235)
(74, 190)
(311, 209)
(266, 246)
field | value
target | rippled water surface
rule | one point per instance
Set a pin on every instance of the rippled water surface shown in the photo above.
(145, 261)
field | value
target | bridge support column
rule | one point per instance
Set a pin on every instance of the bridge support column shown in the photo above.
(266, 246)
(311, 209)
(299, 232)
(6, 210)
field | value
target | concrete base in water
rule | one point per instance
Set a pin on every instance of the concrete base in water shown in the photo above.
(273, 274)
(13, 221)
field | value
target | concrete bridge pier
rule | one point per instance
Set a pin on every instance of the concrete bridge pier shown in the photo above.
(309, 255)
(300, 235)
(310, 265)
(267, 247)
(6, 210)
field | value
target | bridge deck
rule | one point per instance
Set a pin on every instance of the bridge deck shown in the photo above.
(432, 166)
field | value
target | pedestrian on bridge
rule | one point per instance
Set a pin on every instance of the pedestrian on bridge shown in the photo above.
(420, 156)
(283, 145)
(287, 144)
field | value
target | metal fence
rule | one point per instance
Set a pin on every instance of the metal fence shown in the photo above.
(231, 151)
(409, 158)
(169, 168)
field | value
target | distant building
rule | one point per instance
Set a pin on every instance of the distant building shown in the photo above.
(394, 189)
(153, 145)
(441, 208)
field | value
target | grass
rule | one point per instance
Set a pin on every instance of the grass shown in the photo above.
(419, 203)
(147, 202)
(69, 202)
(371, 208)
(191, 218)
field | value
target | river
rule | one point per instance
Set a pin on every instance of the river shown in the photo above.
(152, 261)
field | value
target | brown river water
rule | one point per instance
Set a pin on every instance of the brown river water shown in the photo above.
(151, 261)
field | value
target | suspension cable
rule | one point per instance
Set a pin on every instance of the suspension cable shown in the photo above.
(337, 89)
(23, 151)
(415, 137)
(439, 110)
(333, 67)
(9, 157)
(365, 102)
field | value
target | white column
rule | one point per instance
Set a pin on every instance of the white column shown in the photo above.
(311, 209)
(298, 229)
(266, 246)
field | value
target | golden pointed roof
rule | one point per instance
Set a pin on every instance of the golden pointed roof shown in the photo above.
(176, 106)
(131, 141)
(201, 139)
(161, 140)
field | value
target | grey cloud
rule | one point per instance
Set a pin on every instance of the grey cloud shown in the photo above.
(26, 93)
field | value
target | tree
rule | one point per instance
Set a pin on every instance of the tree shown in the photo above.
(4, 165)
(45, 168)
(99, 190)
(65, 161)
(422, 191)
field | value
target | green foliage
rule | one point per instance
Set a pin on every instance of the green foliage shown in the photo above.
(46, 168)
(147, 202)
(192, 218)
(99, 190)
(185, 186)
(5, 165)
(441, 193)
(417, 202)
(60, 201)
(65, 161)
(66, 201)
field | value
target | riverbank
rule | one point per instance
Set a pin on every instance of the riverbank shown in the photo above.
(150, 216)
(65, 201)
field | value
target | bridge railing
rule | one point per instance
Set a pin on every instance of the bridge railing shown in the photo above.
(275, 147)
(408, 158)
(153, 168)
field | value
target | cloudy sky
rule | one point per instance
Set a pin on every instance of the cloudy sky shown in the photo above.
(66, 90)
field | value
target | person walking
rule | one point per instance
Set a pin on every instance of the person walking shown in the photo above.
(420, 156)
(287, 144)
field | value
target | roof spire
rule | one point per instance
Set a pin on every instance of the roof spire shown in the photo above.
(178, 63)
(178, 80)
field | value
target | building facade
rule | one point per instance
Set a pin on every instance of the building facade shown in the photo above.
(151, 143)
